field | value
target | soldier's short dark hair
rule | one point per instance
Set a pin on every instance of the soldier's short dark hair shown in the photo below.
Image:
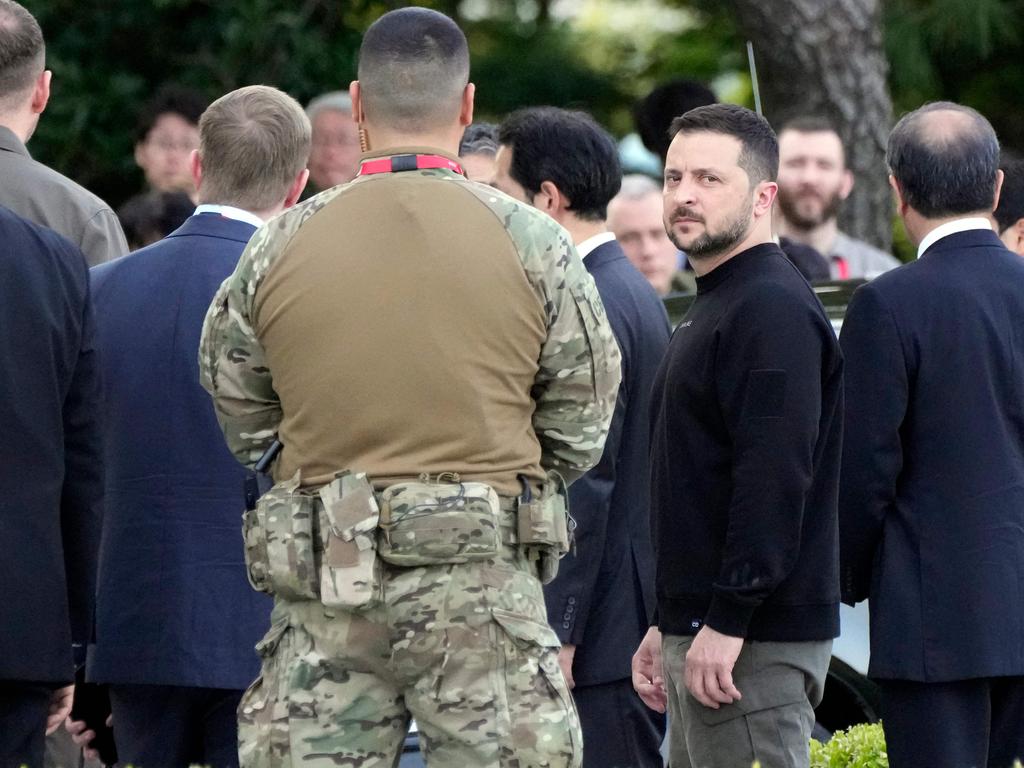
(22, 51)
(253, 143)
(1011, 198)
(413, 69)
(759, 152)
(170, 99)
(654, 113)
(944, 167)
(567, 148)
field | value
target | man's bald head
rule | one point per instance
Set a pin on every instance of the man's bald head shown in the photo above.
(413, 69)
(22, 52)
(945, 160)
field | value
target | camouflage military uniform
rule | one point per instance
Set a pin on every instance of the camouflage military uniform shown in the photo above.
(462, 647)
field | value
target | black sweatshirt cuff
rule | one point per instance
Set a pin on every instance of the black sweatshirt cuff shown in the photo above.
(729, 617)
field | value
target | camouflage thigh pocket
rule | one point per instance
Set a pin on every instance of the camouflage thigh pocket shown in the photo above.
(263, 710)
(536, 714)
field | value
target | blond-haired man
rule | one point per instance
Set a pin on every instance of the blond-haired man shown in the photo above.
(176, 621)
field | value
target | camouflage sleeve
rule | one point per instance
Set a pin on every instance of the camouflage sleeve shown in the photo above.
(578, 376)
(232, 364)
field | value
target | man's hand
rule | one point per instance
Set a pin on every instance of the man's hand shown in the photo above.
(60, 707)
(648, 679)
(565, 657)
(709, 664)
(82, 736)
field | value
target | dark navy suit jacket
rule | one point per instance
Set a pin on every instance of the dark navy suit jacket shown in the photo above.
(173, 604)
(932, 486)
(603, 597)
(50, 456)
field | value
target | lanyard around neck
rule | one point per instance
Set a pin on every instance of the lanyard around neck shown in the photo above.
(398, 163)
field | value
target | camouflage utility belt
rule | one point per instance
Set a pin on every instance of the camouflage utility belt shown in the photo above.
(303, 544)
(448, 521)
(327, 544)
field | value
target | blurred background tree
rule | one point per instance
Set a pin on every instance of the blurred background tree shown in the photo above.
(108, 56)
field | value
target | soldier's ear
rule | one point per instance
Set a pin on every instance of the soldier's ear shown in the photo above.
(466, 111)
(356, 95)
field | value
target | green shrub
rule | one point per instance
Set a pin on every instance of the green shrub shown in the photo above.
(860, 746)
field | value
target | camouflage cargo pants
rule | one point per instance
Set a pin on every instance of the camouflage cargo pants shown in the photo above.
(465, 649)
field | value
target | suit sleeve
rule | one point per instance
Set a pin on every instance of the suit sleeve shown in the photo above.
(769, 387)
(568, 597)
(81, 496)
(876, 403)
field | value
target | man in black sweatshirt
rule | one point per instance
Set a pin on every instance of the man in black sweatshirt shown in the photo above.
(746, 428)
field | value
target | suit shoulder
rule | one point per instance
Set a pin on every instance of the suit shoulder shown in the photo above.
(17, 228)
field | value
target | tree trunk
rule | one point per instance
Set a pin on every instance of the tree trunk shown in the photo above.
(826, 57)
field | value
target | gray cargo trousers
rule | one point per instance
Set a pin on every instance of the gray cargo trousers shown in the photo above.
(781, 683)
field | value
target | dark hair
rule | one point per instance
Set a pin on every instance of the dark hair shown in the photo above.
(1011, 198)
(759, 152)
(479, 139)
(151, 216)
(812, 124)
(809, 124)
(173, 100)
(22, 51)
(654, 113)
(567, 148)
(944, 168)
(413, 67)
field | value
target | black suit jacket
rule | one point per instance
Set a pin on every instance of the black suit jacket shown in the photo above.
(50, 473)
(603, 597)
(932, 488)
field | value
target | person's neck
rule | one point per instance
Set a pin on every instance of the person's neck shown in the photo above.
(760, 234)
(919, 227)
(382, 139)
(821, 238)
(582, 230)
(22, 124)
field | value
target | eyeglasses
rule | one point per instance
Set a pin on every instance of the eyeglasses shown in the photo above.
(168, 144)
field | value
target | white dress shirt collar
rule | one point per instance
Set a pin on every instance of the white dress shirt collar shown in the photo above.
(230, 212)
(593, 243)
(951, 228)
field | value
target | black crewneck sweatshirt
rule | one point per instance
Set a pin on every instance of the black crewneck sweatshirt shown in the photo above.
(746, 433)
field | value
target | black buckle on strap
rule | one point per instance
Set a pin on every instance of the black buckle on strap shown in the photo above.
(403, 163)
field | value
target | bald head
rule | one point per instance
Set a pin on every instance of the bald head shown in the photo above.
(21, 52)
(945, 160)
(413, 69)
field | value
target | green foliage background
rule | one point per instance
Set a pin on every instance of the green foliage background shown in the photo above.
(108, 56)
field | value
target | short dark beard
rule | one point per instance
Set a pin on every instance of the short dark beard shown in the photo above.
(787, 206)
(710, 245)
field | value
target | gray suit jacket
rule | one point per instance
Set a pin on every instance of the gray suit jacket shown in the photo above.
(43, 196)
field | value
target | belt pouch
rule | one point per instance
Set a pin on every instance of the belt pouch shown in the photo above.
(350, 570)
(545, 527)
(279, 543)
(435, 523)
